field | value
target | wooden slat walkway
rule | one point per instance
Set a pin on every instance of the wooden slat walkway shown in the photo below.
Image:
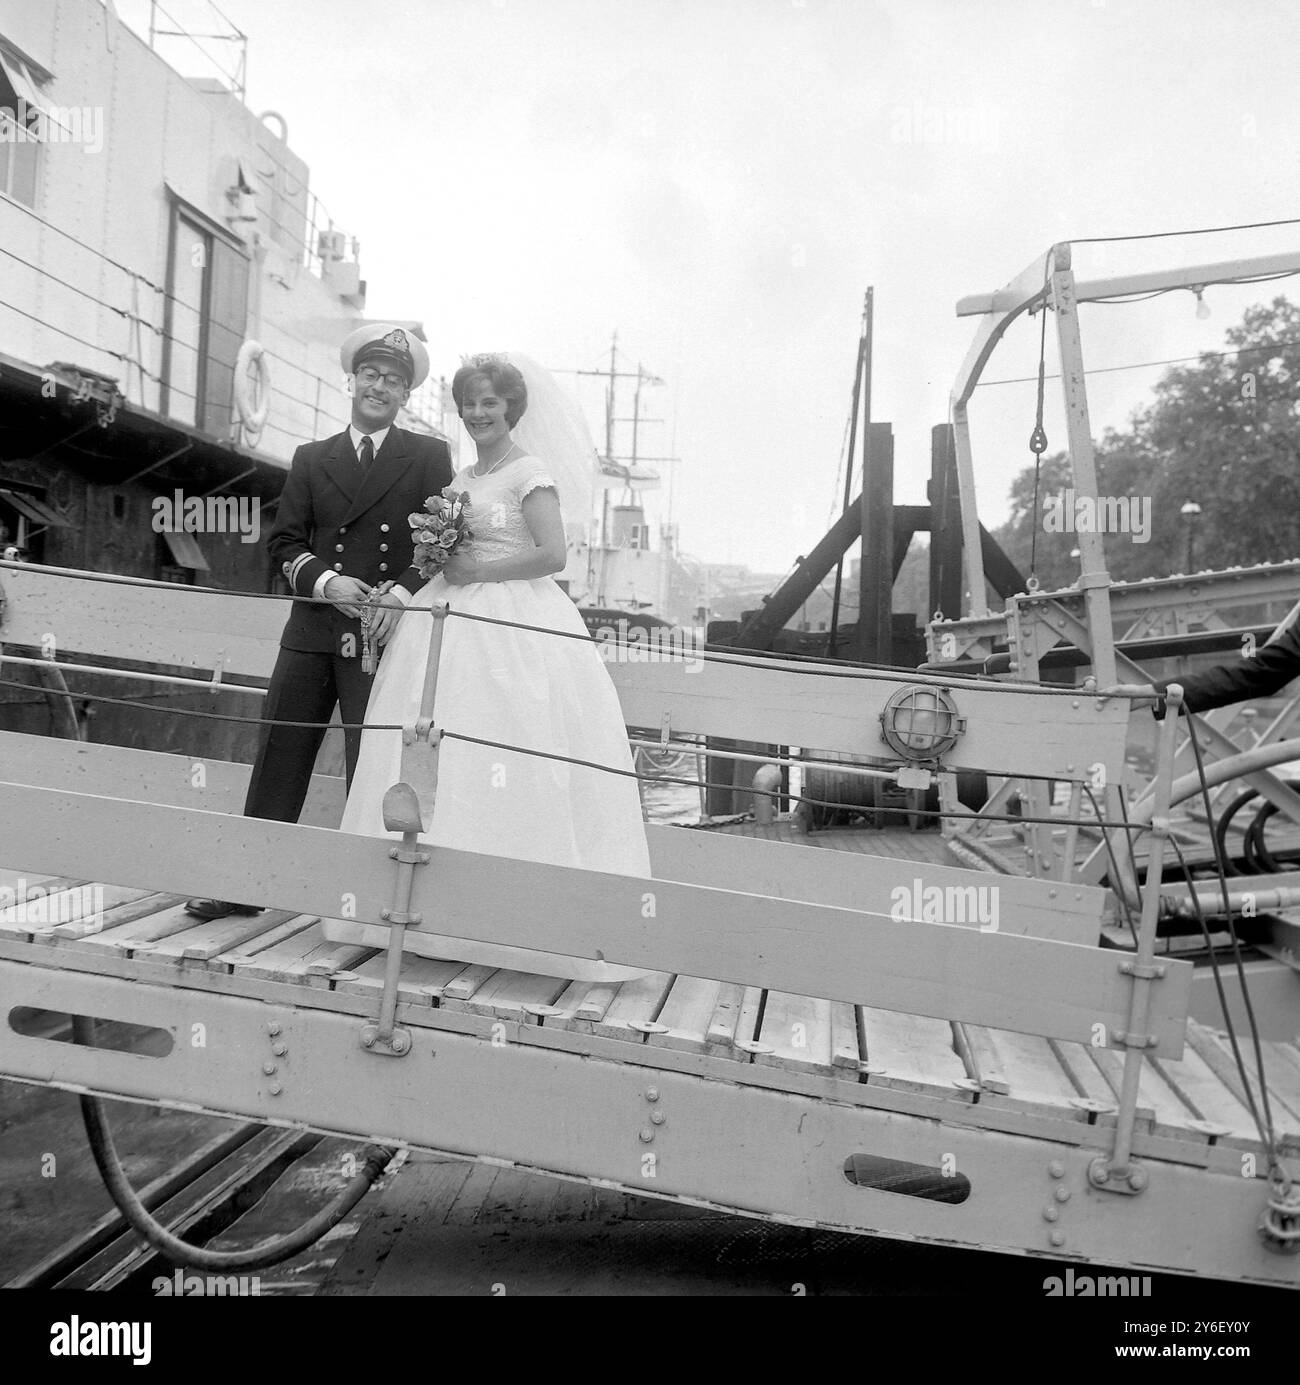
(1200, 1100)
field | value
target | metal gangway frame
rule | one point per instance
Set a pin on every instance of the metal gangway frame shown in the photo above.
(1085, 615)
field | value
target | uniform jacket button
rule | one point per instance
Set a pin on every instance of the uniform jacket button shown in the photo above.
(338, 548)
(338, 567)
(383, 548)
(344, 529)
(383, 528)
(383, 567)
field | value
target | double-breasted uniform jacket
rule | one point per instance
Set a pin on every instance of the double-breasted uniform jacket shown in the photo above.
(331, 518)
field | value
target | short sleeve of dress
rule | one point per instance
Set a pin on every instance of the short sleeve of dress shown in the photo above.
(533, 477)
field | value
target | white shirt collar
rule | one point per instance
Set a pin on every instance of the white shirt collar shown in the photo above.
(377, 439)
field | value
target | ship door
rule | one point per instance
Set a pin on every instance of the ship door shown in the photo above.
(207, 312)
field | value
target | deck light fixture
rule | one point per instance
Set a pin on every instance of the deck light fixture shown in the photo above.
(920, 722)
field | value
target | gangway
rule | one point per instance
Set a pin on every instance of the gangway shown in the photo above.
(804, 1047)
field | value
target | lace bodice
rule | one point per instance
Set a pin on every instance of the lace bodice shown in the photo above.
(496, 515)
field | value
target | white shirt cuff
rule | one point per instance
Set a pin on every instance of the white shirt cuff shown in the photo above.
(318, 590)
(400, 592)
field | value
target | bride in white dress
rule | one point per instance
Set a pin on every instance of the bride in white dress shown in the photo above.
(517, 687)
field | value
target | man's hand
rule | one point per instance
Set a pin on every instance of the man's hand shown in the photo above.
(1138, 694)
(386, 612)
(347, 593)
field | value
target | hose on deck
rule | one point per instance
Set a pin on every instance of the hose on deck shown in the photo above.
(1259, 860)
(269, 1252)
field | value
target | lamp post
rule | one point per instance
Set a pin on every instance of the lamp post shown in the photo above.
(1190, 512)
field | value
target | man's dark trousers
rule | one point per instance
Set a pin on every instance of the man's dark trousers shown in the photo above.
(305, 686)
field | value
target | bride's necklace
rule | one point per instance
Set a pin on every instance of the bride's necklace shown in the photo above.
(499, 461)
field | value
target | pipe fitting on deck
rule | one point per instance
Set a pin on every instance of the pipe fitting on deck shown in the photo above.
(767, 784)
(1130, 1179)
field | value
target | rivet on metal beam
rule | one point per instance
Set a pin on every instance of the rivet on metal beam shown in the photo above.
(647, 1135)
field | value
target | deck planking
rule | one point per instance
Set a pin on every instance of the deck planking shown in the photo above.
(422, 981)
(900, 843)
(686, 1014)
(202, 945)
(797, 1031)
(914, 1053)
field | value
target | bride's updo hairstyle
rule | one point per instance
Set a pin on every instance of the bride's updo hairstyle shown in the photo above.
(503, 378)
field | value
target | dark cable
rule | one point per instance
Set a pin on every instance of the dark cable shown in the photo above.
(269, 1252)
(1114, 863)
(548, 755)
(1198, 231)
(1192, 722)
(1265, 1130)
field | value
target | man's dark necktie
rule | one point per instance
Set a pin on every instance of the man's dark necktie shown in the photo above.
(366, 453)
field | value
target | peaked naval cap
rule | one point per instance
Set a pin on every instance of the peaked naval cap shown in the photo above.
(386, 342)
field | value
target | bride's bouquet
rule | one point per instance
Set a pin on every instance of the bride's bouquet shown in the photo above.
(438, 529)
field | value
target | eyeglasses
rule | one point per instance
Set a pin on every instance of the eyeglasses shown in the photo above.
(369, 376)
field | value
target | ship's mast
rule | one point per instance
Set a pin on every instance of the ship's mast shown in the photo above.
(612, 376)
(861, 398)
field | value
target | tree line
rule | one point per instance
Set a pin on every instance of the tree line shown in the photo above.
(1213, 460)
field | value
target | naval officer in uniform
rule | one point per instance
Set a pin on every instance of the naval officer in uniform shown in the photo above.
(340, 533)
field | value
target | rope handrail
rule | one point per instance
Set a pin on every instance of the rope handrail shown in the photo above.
(568, 759)
(661, 650)
(217, 683)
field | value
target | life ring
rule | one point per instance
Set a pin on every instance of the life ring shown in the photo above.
(252, 387)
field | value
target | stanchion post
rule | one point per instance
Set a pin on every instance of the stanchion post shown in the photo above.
(405, 812)
(1118, 1173)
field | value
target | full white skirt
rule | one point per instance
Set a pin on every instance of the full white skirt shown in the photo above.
(519, 688)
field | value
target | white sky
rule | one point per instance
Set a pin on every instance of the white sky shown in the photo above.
(720, 180)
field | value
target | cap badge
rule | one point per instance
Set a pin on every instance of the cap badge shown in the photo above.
(397, 340)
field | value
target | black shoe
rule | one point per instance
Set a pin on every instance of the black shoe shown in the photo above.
(218, 908)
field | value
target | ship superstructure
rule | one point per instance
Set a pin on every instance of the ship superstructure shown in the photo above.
(172, 300)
